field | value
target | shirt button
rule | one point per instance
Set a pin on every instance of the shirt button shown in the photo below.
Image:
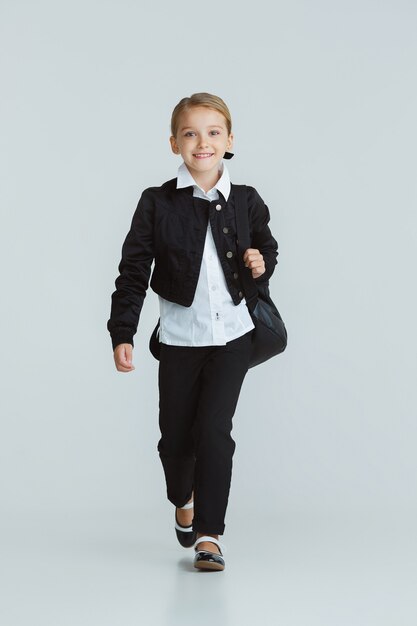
(229, 254)
(225, 230)
(218, 207)
(235, 275)
(213, 288)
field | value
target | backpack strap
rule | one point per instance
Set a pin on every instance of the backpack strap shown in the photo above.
(243, 242)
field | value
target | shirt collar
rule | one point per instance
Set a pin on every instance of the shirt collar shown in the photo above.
(185, 179)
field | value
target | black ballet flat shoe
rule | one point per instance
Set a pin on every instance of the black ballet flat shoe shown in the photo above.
(185, 534)
(206, 560)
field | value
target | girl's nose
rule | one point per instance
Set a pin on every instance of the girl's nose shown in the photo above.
(202, 142)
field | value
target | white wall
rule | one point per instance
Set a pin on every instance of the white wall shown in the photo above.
(323, 97)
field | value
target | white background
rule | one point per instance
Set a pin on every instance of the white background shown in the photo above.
(323, 99)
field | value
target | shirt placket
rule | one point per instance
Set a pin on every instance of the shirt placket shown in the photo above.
(213, 280)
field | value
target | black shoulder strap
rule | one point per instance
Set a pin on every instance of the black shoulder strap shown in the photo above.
(243, 242)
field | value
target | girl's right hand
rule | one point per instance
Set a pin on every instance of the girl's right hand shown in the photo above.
(123, 357)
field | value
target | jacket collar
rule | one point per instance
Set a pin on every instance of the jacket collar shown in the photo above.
(223, 185)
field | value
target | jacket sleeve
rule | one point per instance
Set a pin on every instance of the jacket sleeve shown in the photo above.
(262, 238)
(134, 273)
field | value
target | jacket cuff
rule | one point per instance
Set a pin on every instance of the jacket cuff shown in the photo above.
(122, 336)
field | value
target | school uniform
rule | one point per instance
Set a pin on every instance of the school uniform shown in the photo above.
(205, 327)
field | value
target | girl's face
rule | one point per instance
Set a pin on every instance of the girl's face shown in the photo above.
(202, 139)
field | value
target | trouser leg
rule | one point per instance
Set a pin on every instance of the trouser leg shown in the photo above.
(221, 381)
(179, 386)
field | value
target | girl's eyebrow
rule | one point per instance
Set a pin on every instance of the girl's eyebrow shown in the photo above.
(212, 126)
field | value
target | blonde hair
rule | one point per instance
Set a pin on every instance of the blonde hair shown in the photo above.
(201, 99)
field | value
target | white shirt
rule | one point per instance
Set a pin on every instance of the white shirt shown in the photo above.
(212, 319)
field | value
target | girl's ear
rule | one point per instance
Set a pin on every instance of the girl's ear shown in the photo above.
(174, 146)
(230, 142)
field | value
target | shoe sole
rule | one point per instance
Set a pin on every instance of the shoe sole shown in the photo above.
(208, 565)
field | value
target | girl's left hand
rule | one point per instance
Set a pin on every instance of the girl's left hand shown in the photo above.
(254, 259)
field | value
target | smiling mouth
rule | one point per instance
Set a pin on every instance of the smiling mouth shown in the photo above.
(203, 155)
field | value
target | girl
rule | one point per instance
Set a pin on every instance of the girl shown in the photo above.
(187, 227)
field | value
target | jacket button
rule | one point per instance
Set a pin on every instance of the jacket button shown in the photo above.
(229, 254)
(218, 207)
(240, 294)
(235, 275)
(225, 230)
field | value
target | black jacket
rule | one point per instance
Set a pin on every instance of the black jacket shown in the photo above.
(169, 227)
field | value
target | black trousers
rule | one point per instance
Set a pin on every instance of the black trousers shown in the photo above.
(198, 392)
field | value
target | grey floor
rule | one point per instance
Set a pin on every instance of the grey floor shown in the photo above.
(124, 568)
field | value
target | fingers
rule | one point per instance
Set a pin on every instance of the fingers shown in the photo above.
(255, 261)
(123, 357)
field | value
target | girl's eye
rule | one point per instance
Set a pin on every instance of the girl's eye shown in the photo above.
(191, 132)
